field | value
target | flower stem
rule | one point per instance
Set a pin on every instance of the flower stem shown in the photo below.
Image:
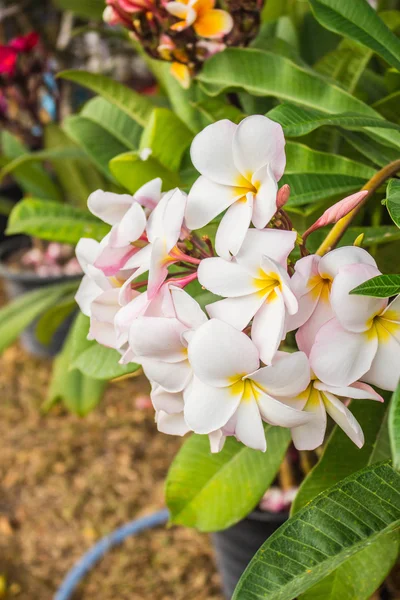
(337, 232)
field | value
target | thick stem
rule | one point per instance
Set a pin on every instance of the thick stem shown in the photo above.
(337, 232)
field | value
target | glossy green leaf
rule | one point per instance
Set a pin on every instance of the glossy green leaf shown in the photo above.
(132, 172)
(55, 222)
(52, 319)
(388, 107)
(394, 428)
(100, 362)
(358, 21)
(167, 137)
(90, 9)
(393, 200)
(345, 64)
(115, 121)
(40, 156)
(215, 109)
(267, 74)
(135, 105)
(308, 187)
(213, 491)
(379, 154)
(19, 313)
(100, 145)
(297, 121)
(382, 286)
(337, 524)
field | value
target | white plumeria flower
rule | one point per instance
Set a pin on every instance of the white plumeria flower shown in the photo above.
(319, 399)
(362, 341)
(94, 282)
(169, 411)
(240, 166)
(111, 208)
(159, 344)
(311, 283)
(255, 286)
(230, 391)
(207, 21)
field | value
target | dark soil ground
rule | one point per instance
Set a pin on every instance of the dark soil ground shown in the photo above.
(65, 482)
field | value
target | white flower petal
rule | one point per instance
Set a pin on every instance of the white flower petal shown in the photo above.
(385, 368)
(217, 441)
(166, 401)
(208, 408)
(322, 313)
(233, 227)
(265, 199)
(280, 414)
(171, 424)
(226, 278)
(207, 199)
(109, 207)
(173, 377)
(249, 428)
(149, 194)
(268, 326)
(358, 390)
(344, 418)
(238, 312)
(157, 338)
(129, 229)
(87, 292)
(187, 310)
(311, 435)
(334, 260)
(273, 243)
(286, 377)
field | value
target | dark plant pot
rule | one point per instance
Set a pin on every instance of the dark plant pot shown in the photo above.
(235, 547)
(18, 283)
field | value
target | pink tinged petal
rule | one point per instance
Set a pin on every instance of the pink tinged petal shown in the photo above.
(265, 198)
(385, 368)
(187, 310)
(238, 312)
(259, 141)
(306, 275)
(173, 218)
(341, 257)
(249, 428)
(336, 212)
(277, 413)
(140, 260)
(87, 250)
(103, 333)
(87, 292)
(149, 194)
(339, 357)
(109, 207)
(226, 278)
(217, 441)
(233, 227)
(161, 305)
(128, 313)
(287, 377)
(344, 418)
(311, 435)
(207, 199)
(273, 243)
(220, 354)
(173, 377)
(112, 260)
(129, 229)
(105, 306)
(208, 408)
(282, 196)
(166, 401)
(158, 270)
(354, 312)
(171, 424)
(358, 390)
(212, 155)
(268, 326)
(158, 338)
(305, 337)
(306, 306)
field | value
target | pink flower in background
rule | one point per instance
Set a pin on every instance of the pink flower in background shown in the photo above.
(9, 53)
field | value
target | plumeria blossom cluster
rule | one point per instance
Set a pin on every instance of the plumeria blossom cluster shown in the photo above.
(225, 369)
(185, 32)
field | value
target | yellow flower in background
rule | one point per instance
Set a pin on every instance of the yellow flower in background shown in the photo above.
(207, 21)
(181, 72)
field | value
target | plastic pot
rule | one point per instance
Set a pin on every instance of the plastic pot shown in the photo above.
(18, 283)
(235, 547)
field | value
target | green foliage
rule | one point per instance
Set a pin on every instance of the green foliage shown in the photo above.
(51, 320)
(382, 286)
(394, 428)
(213, 491)
(100, 362)
(132, 172)
(53, 221)
(337, 524)
(393, 200)
(114, 120)
(90, 9)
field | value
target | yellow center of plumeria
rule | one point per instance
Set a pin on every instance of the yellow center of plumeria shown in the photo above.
(246, 388)
(320, 287)
(265, 283)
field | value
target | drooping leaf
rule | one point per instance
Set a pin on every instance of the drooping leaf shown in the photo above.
(55, 222)
(19, 313)
(136, 106)
(358, 21)
(132, 172)
(167, 137)
(114, 120)
(337, 524)
(38, 157)
(394, 428)
(213, 491)
(382, 286)
(393, 200)
(100, 362)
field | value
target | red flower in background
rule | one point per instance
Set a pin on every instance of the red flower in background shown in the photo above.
(10, 52)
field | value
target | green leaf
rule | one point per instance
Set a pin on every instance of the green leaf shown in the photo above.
(135, 105)
(393, 200)
(167, 137)
(213, 491)
(132, 172)
(215, 109)
(388, 106)
(40, 156)
(51, 320)
(382, 286)
(345, 64)
(358, 21)
(32, 178)
(90, 9)
(79, 393)
(100, 145)
(379, 154)
(100, 362)
(55, 222)
(19, 313)
(111, 118)
(297, 121)
(394, 428)
(334, 526)
(306, 188)
(267, 74)
(383, 234)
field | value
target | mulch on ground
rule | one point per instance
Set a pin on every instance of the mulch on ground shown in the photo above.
(65, 482)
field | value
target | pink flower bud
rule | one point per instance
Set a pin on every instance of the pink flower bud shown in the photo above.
(282, 196)
(336, 212)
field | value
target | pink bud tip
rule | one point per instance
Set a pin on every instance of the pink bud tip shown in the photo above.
(282, 196)
(336, 212)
